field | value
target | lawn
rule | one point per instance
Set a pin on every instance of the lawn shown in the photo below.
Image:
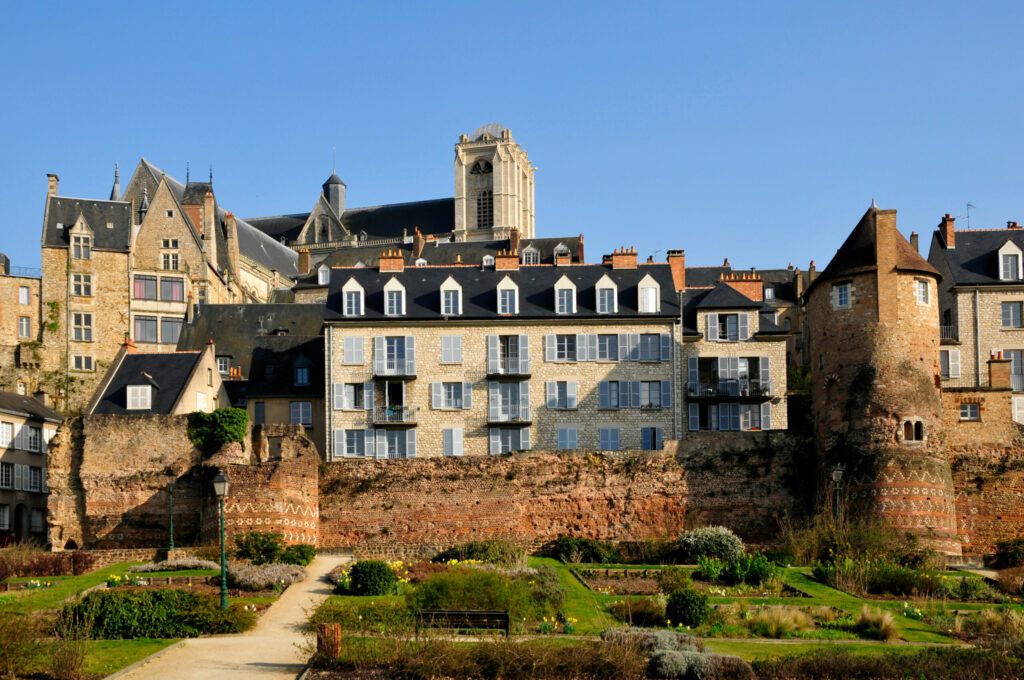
(63, 587)
(109, 656)
(581, 603)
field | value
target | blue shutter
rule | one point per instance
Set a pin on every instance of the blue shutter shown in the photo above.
(603, 396)
(623, 347)
(634, 347)
(634, 396)
(467, 395)
(447, 448)
(712, 333)
(492, 354)
(666, 393)
(592, 346)
(493, 402)
(659, 439)
(666, 346)
(379, 355)
(735, 416)
(524, 354)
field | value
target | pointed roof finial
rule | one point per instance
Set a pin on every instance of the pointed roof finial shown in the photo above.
(211, 173)
(188, 173)
(115, 191)
(873, 204)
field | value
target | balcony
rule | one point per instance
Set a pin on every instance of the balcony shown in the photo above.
(949, 335)
(393, 367)
(508, 365)
(966, 382)
(511, 413)
(733, 388)
(394, 415)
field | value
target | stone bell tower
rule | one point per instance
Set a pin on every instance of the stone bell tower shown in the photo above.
(493, 186)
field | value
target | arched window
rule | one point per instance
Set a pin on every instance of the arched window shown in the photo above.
(908, 431)
(421, 262)
(323, 275)
(488, 261)
(485, 209)
(919, 431)
(481, 167)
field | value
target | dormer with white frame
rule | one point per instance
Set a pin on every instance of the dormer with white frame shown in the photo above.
(508, 297)
(565, 296)
(323, 275)
(530, 255)
(394, 298)
(648, 296)
(353, 298)
(1010, 262)
(451, 298)
(606, 296)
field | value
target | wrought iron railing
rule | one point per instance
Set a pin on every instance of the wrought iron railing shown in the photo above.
(401, 415)
(731, 388)
(948, 333)
(510, 413)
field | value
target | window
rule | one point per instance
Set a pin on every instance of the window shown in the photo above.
(1009, 267)
(608, 394)
(451, 441)
(209, 377)
(223, 365)
(727, 327)
(6, 475)
(651, 439)
(970, 411)
(355, 443)
(607, 347)
(608, 439)
(6, 434)
(949, 363)
(169, 213)
(420, 262)
(451, 302)
(531, 256)
(650, 394)
(769, 293)
(259, 416)
(170, 262)
(353, 397)
(145, 329)
(201, 401)
(323, 275)
(485, 209)
(22, 388)
(565, 347)
(507, 440)
(487, 261)
(140, 397)
(201, 297)
(81, 327)
(81, 285)
(568, 438)
(5, 518)
(921, 291)
(648, 294)
(451, 395)
(38, 525)
(451, 349)
(33, 439)
(913, 431)
(23, 295)
(507, 302)
(841, 296)
(170, 329)
(81, 247)
(606, 303)
(394, 303)
(24, 327)
(565, 301)
(172, 289)
(301, 413)
(1012, 314)
(301, 376)
(145, 288)
(650, 347)
(169, 244)
(353, 303)
(562, 394)
(352, 351)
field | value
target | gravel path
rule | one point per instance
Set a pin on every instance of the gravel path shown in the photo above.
(270, 650)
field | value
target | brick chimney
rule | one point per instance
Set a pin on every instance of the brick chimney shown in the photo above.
(1012, 225)
(798, 283)
(947, 227)
(417, 243)
(129, 345)
(622, 258)
(52, 184)
(391, 260)
(914, 242)
(677, 263)
(43, 398)
(563, 259)
(748, 284)
(304, 264)
(513, 239)
(579, 255)
(506, 260)
(999, 372)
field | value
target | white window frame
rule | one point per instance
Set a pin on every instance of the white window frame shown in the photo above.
(353, 293)
(24, 327)
(81, 326)
(323, 275)
(507, 285)
(81, 285)
(24, 295)
(970, 412)
(6, 434)
(648, 296)
(452, 441)
(224, 365)
(606, 284)
(921, 292)
(451, 349)
(1010, 271)
(949, 363)
(565, 296)
(139, 397)
(530, 255)
(451, 307)
(394, 298)
(839, 292)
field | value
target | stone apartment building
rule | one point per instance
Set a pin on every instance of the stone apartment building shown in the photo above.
(26, 427)
(20, 328)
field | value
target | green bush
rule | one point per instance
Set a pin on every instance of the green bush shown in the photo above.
(129, 614)
(372, 577)
(879, 576)
(710, 542)
(760, 569)
(380, 614)
(259, 547)
(652, 640)
(952, 662)
(487, 589)
(21, 641)
(734, 571)
(1009, 553)
(681, 665)
(504, 553)
(671, 579)
(300, 554)
(709, 569)
(574, 549)
(209, 432)
(966, 588)
(687, 607)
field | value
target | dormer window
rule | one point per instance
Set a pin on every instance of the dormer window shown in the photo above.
(81, 247)
(352, 295)
(223, 365)
(421, 262)
(769, 293)
(451, 298)
(508, 297)
(301, 376)
(1009, 264)
(323, 275)
(607, 296)
(561, 250)
(140, 397)
(649, 294)
(565, 296)
(488, 261)
(531, 255)
(394, 298)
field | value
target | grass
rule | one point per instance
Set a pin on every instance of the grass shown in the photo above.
(179, 573)
(109, 656)
(767, 649)
(63, 587)
(581, 603)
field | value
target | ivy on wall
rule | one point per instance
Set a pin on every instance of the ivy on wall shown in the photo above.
(208, 432)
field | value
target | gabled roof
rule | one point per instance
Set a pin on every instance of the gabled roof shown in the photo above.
(65, 210)
(167, 373)
(27, 407)
(272, 363)
(975, 260)
(724, 296)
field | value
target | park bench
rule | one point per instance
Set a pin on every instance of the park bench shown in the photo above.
(462, 619)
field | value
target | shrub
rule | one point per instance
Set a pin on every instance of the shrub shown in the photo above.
(209, 432)
(504, 553)
(687, 607)
(643, 611)
(67, 653)
(257, 577)
(651, 551)
(734, 571)
(682, 665)
(760, 570)
(372, 577)
(780, 622)
(486, 589)
(952, 662)
(710, 542)
(383, 614)
(1011, 581)
(651, 640)
(259, 547)
(709, 569)
(300, 554)
(129, 614)
(574, 549)
(176, 565)
(876, 624)
(1009, 553)
(21, 642)
(26, 560)
(966, 588)
(674, 578)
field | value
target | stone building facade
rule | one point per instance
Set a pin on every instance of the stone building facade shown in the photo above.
(20, 327)
(26, 427)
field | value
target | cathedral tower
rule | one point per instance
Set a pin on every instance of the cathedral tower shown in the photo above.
(493, 186)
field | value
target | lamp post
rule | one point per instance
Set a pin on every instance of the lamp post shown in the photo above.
(169, 474)
(837, 482)
(220, 489)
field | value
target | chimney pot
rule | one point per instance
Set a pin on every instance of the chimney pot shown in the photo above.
(304, 262)
(52, 184)
(948, 230)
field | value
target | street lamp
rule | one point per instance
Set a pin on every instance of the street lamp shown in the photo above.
(169, 474)
(837, 482)
(220, 489)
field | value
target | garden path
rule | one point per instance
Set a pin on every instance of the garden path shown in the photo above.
(270, 650)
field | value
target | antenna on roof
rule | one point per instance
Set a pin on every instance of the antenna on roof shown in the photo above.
(188, 173)
(969, 206)
(334, 160)
(211, 173)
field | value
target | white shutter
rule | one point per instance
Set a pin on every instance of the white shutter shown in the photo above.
(1018, 410)
(581, 347)
(382, 443)
(592, 347)
(338, 390)
(524, 439)
(666, 393)
(369, 443)
(744, 332)
(623, 347)
(571, 391)
(410, 443)
(19, 437)
(551, 393)
(766, 416)
(357, 345)
(493, 402)
(339, 443)
(436, 396)
(549, 347)
(467, 395)
(524, 400)
(457, 348)
(457, 444)
(524, 354)
(765, 365)
(445, 349)
(712, 320)
(410, 355)
(495, 440)
(368, 395)
(666, 346)
(492, 354)
(379, 355)
(954, 363)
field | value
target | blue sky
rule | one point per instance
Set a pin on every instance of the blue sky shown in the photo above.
(754, 131)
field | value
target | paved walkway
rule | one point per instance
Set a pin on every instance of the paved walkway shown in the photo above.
(270, 650)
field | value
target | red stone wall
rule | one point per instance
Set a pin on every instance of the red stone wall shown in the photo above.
(989, 483)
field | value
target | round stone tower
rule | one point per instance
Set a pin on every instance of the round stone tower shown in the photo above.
(874, 348)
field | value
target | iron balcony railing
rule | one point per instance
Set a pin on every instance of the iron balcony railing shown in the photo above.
(393, 366)
(948, 333)
(509, 364)
(965, 381)
(510, 413)
(398, 415)
(731, 388)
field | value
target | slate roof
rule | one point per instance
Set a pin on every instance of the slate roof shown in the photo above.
(236, 329)
(479, 291)
(975, 260)
(65, 210)
(167, 372)
(27, 407)
(781, 281)
(703, 277)
(281, 354)
(720, 298)
(724, 296)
